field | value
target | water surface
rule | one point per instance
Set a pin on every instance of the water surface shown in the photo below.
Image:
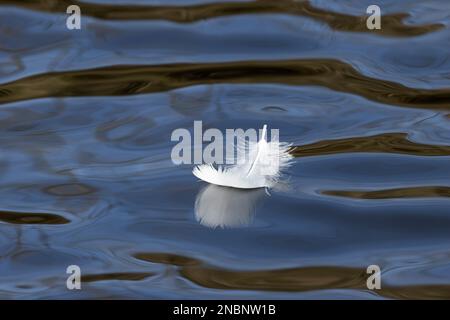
(86, 176)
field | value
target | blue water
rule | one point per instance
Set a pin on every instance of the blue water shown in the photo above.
(86, 176)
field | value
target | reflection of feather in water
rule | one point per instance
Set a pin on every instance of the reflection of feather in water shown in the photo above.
(218, 206)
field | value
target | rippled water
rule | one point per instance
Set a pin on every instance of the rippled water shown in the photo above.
(86, 175)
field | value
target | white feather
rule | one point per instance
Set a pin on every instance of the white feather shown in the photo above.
(258, 165)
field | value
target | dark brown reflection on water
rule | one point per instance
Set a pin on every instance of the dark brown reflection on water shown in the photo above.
(124, 276)
(295, 279)
(31, 218)
(413, 192)
(392, 23)
(69, 189)
(387, 143)
(166, 258)
(125, 80)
